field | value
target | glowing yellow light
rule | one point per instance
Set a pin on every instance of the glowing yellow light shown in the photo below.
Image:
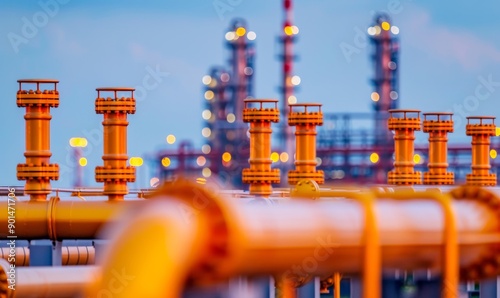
(230, 35)
(288, 30)
(209, 94)
(165, 162)
(374, 157)
(275, 156)
(201, 161)
(78, 142)
(170, 139)
(206, 132)
(386, 26)
(497, 131)
(136, 161)
(493, 153)
(292, 99)
(226, 157)
(201, 180)
(206, 79)
(231, 118)
(377, 30)
(154, 182)
(375, 96)
(417, 159)
(241, 31)
(284, 157)
(206, 149)
(82, 161)
(251, 35)
(206, 172)
(295, 80)
(206, 114)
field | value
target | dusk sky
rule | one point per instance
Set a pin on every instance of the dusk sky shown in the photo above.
(450, 61)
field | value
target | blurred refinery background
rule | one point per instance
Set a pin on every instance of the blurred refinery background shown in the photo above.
(353, 63)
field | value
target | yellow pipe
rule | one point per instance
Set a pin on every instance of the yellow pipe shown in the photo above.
(185, 246)
(115, 173)
(481, 133)
(404, 123)
(37, 171)
(438, 125)
(58, 220)
(313, 238)
(305, 142)
(71, 255)
(260, 176)
(49, 282)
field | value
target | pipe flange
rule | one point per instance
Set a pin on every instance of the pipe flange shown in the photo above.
(124, 105)
(404, 178)
(489, 265)
(38, 172)
(125, 174)
(251, 176)
(192, 194)
(295, 176)
(447, 178)
(261, 115)
(481, 180)
(437, 126)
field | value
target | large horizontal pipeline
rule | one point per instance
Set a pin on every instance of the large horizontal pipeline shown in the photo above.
(70, 255)
(58, 220)
(298, 238)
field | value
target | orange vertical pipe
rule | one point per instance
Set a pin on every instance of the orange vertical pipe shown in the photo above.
(115, 173)
(37, 171)
(336, 285)
(438, 125)
(481, 133)
(260, 176)
(404, 123)
(305, 142)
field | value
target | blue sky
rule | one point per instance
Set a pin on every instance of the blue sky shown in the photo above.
(448, 52)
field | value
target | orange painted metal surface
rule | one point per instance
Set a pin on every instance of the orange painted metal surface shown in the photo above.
(481, 128)
(305, 120)
(438, 125)
(115, 173)
(58, 220)
(260, 176)
(48, 282)
(37, 171)
(71, 255)
(321, 237)
(404, 123)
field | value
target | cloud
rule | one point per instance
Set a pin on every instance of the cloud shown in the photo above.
(448, 44)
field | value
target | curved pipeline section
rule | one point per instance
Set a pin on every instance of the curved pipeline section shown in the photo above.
(71, 255)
